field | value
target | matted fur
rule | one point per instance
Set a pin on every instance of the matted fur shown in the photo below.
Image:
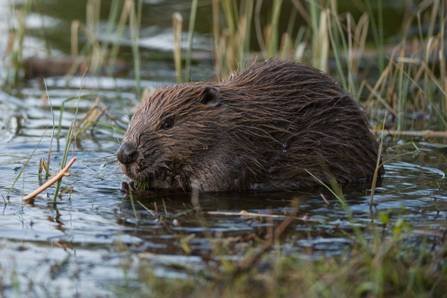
(259, 129)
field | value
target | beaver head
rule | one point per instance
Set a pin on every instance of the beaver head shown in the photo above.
(170, 134)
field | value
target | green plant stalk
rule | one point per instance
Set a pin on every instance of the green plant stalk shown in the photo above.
(78, 60)
(229, 15)
(92, 46)
(335, 49)
(258, 28)
(139, 12)
(419, 263)
(401, 97)
(245, 48)
(111, 27)
(442, 63)
(65, 157)
(381, 42)
(192, 20)
(338, 196)
(285, 46)
(15, 281)
(134, 19)
(70, 137)
(25, 165)
(229, 50)
(18, 56)
(42, 28)
(216, 33)
(378, 164)
(287, 40)
(292, 21)
(377, 31)
(62, 112)
(137, 216)
(118, 35)
(89, 29)
(336, 191)
(431, 23)
(298, 41)
(273, 45)
(53, 127)
(351, 84)
(314, 12)
(92, 15)
(152, 213)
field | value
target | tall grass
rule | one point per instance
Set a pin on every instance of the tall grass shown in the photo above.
(192, 20)
(415, 77)
(14, 50)
(412, 72)
(177, 32)
(101, 48)
(232, 37)
(101, 53)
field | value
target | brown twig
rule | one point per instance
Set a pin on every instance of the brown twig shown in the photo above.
(51, 181)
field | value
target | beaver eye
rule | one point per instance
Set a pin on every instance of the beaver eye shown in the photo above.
(167, 123)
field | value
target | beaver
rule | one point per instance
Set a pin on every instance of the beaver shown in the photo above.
(275, 125)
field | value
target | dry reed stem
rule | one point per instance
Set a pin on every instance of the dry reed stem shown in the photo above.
(378, 166)
(51, 181)
(417, 133)
(177, 21)
(245, 213)
(91, 117)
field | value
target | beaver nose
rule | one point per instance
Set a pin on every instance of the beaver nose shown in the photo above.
(127, 153)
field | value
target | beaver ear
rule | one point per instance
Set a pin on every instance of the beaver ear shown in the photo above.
(210, 95)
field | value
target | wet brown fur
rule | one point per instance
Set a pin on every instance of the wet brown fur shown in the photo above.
(259, 129)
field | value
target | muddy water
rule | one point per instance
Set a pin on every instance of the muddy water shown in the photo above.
(89, 243)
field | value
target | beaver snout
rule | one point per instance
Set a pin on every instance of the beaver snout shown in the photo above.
(127, 153)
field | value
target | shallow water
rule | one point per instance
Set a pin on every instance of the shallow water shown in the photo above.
(87, 244)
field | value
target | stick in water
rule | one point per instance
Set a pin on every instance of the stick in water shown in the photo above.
(51, 181)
